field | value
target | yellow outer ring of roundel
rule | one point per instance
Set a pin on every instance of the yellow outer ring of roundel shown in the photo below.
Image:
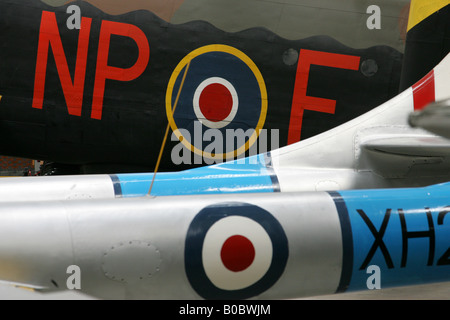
(262, 86)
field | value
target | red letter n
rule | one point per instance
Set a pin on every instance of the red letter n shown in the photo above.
(301, 101)
(49, 36)
(104, 71)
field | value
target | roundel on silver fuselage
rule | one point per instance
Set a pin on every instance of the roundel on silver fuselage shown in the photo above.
(234, 251)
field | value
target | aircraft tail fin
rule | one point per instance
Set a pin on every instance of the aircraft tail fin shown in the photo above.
(427, 40)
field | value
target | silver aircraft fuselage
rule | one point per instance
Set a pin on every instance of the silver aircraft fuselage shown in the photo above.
(266, 246)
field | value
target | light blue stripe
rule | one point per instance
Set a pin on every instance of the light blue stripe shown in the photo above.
(243, 175)
(414, 203)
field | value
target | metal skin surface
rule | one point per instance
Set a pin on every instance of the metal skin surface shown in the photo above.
(56, 188)
(266, 246)
(375, 150)
(97, 97)
(277, 241)
(100, 98)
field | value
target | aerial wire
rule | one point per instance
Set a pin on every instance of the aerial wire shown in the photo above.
(158, 162)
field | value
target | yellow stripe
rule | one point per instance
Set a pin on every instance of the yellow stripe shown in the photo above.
(422, 9)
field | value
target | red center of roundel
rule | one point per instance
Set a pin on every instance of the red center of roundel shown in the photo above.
(237, 253)
(216, 102)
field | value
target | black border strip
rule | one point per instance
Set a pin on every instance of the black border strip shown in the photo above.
(116, 185)
(271, 171)
(347, 241)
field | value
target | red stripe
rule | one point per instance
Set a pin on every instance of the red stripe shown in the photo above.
(424, 92)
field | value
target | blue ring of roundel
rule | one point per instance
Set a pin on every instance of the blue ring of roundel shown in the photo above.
(232, 69)
(194, 246)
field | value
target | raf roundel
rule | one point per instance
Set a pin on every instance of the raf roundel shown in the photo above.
(234, 251)
(220, 88)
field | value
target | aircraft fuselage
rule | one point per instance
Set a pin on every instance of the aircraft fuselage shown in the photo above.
(103, 93)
